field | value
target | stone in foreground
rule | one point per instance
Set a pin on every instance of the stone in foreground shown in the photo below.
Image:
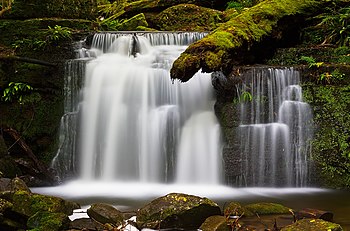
(176, 210)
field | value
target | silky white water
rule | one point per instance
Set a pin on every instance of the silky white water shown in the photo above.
(275, 130)
(138, 126)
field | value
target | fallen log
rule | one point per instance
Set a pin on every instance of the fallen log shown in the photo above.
(46, 174)
(27, 60)
(229, 44)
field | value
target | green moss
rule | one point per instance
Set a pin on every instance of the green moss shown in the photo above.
(215, 223)
(188, 17)
(330, 147)
(176, 210)
(47, 221)
(246, 29)
(312, 225)
(267, 208)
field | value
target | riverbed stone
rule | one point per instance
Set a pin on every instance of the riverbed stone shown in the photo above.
(28, 204)
(48, 221)
(176, 210)
(264, 208)
(236, 209)
(313, 225)
(215, 223)
(105, 214)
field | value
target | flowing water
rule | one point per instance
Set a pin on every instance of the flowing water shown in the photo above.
(135, 124)
(129, 134)
(276, 129)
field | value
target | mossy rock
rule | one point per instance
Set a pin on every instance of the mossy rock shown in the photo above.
(5, 205)
(266, 209)
(236, 209)
(188, 17)
(133, 23)
(48, 221)
(313, 225)
(28, 204)
(215, 223)
(230, 43)
(176, 210)
(105, 214)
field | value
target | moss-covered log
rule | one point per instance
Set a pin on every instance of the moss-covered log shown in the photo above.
(230, 42)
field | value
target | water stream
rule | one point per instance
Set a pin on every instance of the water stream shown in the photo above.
(129, 134)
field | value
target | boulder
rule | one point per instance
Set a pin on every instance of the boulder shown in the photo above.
(313, 225)
(105, 214)
(266, 209)
(236, 209)
(188, 17)
(215, 223)
(48, 221)
(4, 205)
(28, 204)
(85, 223)
(176, 210)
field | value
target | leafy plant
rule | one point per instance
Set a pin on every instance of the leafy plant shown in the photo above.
(245, 96)
(57, 33)
(16, 91)
(311, 61)
(335, 24)
(112, 10)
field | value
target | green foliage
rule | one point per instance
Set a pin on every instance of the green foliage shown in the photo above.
(58, 33)
(330, 148)
(335, 25)
(21, 93)
(244, 97)
(111, 25)
(51, 36)
(112, 10)
(311, 61)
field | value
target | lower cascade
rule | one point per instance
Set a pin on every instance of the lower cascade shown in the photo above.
(275, 129)
(133, 123)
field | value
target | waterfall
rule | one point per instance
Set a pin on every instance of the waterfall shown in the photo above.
(275, 129)
(64, 162)
(136, 125)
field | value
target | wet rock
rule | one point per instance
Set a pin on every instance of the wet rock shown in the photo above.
(176, 210)
(18, 184)
(5, 205)
(314, 213)
(28, 204)
(105, 213)
(5, 184)
(85, 223)
(48, 221)
(236, 209)
(215, 223)
(266, 209)
(312, 225)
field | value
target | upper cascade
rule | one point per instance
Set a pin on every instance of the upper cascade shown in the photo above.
(103, 41)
